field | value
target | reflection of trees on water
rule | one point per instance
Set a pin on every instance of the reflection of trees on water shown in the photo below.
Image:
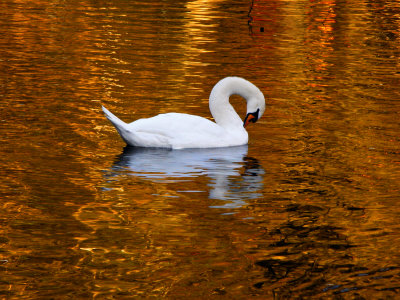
(312, 258)
(302, 242)
(233, 177)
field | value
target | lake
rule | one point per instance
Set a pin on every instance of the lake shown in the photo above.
(308, 209)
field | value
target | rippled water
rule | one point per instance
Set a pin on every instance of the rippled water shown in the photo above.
(309, 209)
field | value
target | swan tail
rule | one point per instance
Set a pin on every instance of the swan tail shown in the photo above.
(120, 125)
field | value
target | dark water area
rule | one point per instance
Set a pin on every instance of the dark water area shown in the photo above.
(308, 209)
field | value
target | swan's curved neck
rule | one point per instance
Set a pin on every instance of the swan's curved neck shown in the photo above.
(222, 111)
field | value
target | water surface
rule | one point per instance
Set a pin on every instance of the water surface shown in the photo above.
(309, 209)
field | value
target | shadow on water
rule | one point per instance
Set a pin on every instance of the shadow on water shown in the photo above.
(311, 258)
(232, 175)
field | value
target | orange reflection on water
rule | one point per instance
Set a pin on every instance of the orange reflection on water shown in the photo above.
(319, 40)
(317, 214)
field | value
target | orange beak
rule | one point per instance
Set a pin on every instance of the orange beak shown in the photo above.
(249, 118)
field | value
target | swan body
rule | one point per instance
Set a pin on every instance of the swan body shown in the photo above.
(179, 130)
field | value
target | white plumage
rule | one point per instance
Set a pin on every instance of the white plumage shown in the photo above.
(178, 130)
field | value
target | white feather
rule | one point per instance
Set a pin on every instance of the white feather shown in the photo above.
(177, 130)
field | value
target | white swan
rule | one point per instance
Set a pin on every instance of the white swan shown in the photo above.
(178, 131)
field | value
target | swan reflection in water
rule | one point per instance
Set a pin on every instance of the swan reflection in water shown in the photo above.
(234, 177)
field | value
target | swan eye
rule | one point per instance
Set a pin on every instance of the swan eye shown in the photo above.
(251, 117)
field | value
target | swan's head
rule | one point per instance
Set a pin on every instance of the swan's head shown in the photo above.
(255, 106)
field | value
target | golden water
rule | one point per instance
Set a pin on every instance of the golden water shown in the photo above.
(309, 209)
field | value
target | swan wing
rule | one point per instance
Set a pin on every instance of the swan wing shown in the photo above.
(178, 130)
